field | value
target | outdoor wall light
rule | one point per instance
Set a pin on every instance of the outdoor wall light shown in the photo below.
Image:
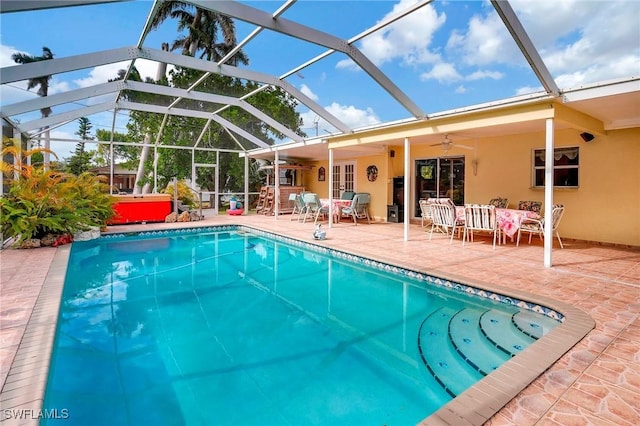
(587, 137)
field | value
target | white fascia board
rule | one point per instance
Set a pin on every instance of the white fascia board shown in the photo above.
(66, 116)
(189, 113)
(296, 30)
(39, 103)
(602, 89)
(520, 36)
(8, 6)
(284, 147)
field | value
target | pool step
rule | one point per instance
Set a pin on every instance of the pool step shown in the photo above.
(533, 324)
(499, 328)
(471, 344)
(440, 356)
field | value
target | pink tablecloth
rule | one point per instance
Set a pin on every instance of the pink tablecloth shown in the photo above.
(337, 207)
(509, 220)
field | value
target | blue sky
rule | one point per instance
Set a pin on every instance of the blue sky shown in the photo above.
(448, 55)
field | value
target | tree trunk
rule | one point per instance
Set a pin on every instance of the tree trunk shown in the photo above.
(137, 189)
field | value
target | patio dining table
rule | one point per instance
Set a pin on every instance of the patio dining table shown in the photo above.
(509, 220)
(337, 206)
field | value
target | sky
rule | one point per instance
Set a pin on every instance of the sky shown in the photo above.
(447, 55)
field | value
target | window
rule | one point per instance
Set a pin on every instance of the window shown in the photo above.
(566, 162)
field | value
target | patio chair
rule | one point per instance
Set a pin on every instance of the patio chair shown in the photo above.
(313, 206)
(535, 226)
(359, 208)
(532, 206)
(298, 205)
(425, 212)
(500, 203)
(480, 217)
(347, 195)
(443, 217)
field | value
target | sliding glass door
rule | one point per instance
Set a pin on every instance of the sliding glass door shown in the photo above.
(441, 177)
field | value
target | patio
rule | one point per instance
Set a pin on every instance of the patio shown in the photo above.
(597, 382)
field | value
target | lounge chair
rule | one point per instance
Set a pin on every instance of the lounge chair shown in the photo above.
(313, 206)
(298, 205)
(359, 208)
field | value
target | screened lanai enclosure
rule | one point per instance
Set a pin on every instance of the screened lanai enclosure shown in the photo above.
(198, 90)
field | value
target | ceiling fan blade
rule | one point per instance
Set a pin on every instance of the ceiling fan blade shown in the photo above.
(463, 146)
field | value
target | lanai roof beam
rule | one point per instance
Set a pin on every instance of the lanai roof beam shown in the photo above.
(520, 36)
(293, 29)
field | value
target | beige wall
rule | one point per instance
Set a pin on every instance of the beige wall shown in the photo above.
(605, 208)
(379, 189)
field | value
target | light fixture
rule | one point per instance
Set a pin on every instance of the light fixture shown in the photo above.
(587, 137)
(474, 165)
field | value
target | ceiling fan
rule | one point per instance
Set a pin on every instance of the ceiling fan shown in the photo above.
(447, 144)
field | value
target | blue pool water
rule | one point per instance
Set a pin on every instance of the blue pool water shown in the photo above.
(229, 328)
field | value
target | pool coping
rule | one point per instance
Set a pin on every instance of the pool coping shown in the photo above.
(26, 382)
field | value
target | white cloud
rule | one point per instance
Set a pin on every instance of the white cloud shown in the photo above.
(352, 116)
(101, 74)
(595, 41)
(348, 114)
(408, 38)
(443, 73)
(307, 91)
(486, 41)
(482, 74)
(5, 55)
(525, 90)
(461, 90)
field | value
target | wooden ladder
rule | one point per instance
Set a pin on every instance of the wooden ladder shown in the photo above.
(261, 200)
(270, 200)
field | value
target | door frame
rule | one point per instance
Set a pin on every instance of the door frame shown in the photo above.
(339, 179)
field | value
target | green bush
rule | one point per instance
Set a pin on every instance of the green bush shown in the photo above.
(185, 195)
(40, 202)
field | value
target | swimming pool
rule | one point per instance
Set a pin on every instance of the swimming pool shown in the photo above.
(227, 327)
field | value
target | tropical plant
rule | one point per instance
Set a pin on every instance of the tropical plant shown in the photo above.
(80, 161)
(185, 195)
(43, 88)
(42, 201)
(202, 27)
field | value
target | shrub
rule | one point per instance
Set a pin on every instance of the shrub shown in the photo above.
(185, 195)
(42, 201)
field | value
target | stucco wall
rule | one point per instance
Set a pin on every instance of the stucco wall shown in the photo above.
(605, 207)
(379, 189)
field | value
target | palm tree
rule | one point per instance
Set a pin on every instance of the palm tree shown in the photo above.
(43, 89)
(203, 27)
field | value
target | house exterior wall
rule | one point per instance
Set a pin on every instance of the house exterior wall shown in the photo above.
(604, 208)
(379, 189)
